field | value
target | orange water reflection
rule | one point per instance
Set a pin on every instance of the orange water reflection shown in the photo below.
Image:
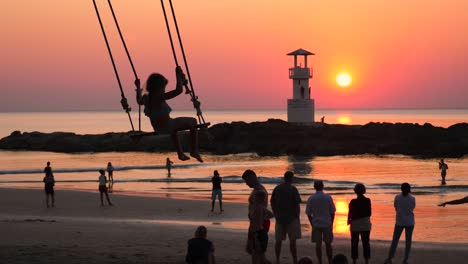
(340, 225)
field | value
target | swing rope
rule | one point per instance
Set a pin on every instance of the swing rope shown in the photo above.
(188, 90)
(137, 80)
(123, 100)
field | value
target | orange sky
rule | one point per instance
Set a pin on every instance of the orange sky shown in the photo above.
(401, 54)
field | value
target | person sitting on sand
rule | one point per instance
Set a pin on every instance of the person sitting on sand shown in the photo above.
(404, 206)
(158, 111)
(340, 259)
(257, 216)
(200, 250)
(305, 260)
(443, 167)
(103, 187)
(49, 183)
(216, 181)
(458, 201)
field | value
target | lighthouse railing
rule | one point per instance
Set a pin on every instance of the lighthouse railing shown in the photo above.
(300, 73)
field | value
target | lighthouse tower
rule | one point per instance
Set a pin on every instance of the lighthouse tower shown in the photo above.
(301, 106)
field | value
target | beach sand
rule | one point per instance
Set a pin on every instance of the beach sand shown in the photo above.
(150, 230)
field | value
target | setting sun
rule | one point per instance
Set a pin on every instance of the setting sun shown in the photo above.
(343, 79)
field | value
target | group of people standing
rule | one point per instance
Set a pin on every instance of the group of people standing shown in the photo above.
(320, 210)
(49, 184)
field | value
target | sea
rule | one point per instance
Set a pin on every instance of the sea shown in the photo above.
(145, 173)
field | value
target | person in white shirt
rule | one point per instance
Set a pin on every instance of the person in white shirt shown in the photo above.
(321, 213)
(404, 205)
(103, 187)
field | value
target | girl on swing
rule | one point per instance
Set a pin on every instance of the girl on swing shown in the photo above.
(157, 109)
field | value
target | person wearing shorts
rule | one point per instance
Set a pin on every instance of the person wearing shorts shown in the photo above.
(216, 180)
(257, 230)
(321, 210)
(103, 187)
(285, 202)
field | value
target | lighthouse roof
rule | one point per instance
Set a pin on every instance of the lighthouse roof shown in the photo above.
(300, 52)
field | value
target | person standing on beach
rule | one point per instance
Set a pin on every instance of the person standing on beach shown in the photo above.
(404, 205)
(359, 214)
(443, 167)
(110, 172)
(251, 180)
(321, 213)
(216, 191)
(103, 187)
(285, 203)
(49, 183)
(200, 250)
(257, 217)
(169, 166)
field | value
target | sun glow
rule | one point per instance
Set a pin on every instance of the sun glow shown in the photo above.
(343, 79)
(344, 120)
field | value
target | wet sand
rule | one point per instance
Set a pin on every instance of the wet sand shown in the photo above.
(149, 230)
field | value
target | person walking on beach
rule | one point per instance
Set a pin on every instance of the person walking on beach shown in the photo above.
(321, 210)
(158, 111)
(216, 191)
(251, 180)
(49, 183)
(169, 166)
(257, 217)
(359, 214)
(443, 167)
(404, 205)
(200, 250)
(285, 203)
(103, 187)
(457, 201)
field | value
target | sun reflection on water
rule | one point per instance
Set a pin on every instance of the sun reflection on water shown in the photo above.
(340, 225)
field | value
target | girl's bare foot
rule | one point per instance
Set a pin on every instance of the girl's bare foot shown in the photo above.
(183, 157)
(196, 156)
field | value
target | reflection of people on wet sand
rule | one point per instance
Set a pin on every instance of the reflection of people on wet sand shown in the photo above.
(158, 111)
(49, 183)
(216, 191)
(443, 167)
(200, 250)
(103, 187)
(458, 201)
(169, 166)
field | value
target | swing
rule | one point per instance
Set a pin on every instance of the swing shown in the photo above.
(187, 85)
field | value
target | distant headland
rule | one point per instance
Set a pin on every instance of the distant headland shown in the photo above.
(271, 138)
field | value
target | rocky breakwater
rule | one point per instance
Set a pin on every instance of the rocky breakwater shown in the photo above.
(273, 137)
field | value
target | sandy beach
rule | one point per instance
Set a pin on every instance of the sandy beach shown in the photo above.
(148, 230)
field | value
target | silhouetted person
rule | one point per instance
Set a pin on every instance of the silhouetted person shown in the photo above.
(321, 213)
(110, 172)
(443, 167)
(257, 216)
(169, 166)
(285, 203)
(322, 119)
(340, 259)
(158, 111)
(458, 201)
(200, 250)
(404, 205)
(49, 183)
(216, 181)
(103, 187)
(251, 180)
(359, 214)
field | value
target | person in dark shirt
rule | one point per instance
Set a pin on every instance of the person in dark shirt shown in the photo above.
(359, 214)
(49, 183)
(217, 191)
(285, 202)
(200, 250)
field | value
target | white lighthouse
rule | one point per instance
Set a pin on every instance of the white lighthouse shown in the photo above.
(301, 106)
